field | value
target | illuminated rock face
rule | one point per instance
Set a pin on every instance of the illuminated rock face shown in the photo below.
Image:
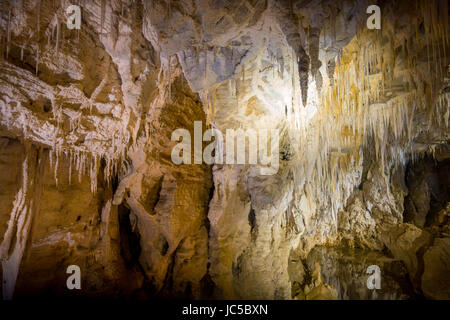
(85, 149)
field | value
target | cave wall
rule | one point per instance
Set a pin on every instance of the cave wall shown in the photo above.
(86, 123)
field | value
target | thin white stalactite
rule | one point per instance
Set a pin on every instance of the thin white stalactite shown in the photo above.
(8, 35)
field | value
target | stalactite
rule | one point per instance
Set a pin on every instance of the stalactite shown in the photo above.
(168, 10)
(80, 166)
(57, 35)
(8, 36)
(50, 157)
(292, 78)
(213, 103)
(169, 80)
(38, 19)
(63, 36)
(356, 112)
(93, 172)
(207, 107)
(206, 63)
(57, 155)
(102, 15)
(70, 167)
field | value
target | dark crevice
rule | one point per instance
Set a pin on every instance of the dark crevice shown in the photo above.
(130, 246)
(433, 176)
(130, 251)
(252, 219)
(207, 285)
(163, 245)
(167, 288)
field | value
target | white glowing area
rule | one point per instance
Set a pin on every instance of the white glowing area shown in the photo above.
(304, 114)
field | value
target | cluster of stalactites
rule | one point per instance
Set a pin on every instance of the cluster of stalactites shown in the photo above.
(378, 94)
(87, 164)
(368, 99)
(80, 159)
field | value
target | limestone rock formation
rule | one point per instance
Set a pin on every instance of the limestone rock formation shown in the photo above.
(359, 178)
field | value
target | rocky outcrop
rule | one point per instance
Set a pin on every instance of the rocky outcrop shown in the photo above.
(345, 269)
(435, 276)
(428, 192)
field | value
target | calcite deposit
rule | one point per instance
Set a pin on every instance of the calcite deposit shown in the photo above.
(87, 176)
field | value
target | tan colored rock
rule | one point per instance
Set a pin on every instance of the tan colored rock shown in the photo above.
(436, 275)
(405, 242)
